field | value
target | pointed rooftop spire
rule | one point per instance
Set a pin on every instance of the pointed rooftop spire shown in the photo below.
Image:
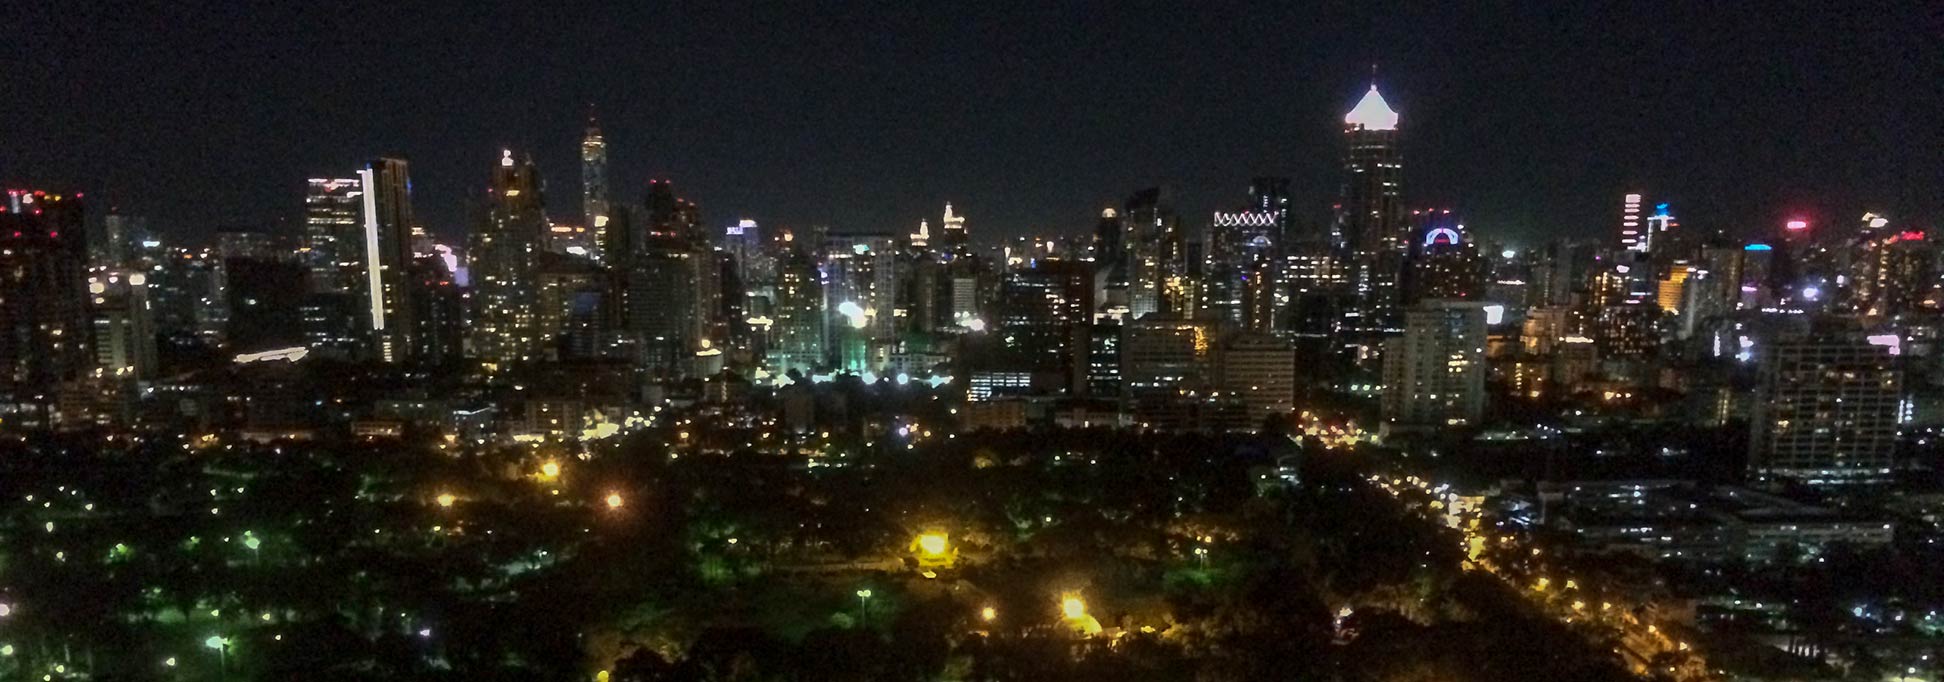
(1372, 112)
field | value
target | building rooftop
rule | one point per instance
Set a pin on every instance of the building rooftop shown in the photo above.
(1372, 113)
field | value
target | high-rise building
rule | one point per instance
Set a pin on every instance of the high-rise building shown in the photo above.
(1894, 273)
(1434, 374)
(1167, 355)
(388, 254)
(1370, 215)
(1157, 265)
(951, 232)
(1444, 262)
(1262, 370)
(356, 246)
(504, 261)
(124, 325)
(118, 241)
(1825, 408)
(1630, 232)
(594, 185)
(1659, 234)
(438, 309)
(333, 244)
(797, 336)
(1242, 248)
(44, 325)
(667, 309)
(670, 215)
(1042, 314)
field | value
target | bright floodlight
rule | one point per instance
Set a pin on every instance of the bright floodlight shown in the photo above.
(447, 499)
(614, 501)
(933, 544)
(1072, 607)
(550, 470)
(989, 614)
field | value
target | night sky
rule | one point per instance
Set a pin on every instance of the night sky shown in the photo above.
(1027, 116)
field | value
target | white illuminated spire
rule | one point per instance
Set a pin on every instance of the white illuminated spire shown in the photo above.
(1372, 113)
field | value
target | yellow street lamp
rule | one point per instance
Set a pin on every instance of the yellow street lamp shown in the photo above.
(550, 470)
(447, 499)
(1072, 607)
(614, 500)
(988, 614)
(932, 544)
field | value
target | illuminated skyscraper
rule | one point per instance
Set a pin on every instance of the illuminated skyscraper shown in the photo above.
(124, 325)
(951, 231)
(1242, 250)
(594, 185)
(1630, 237)
(1371, 215)
(44, 325)
(334, 234)
(505, 251)
(1659, 233)
(1826, 408)
(1157, 265)
(1042, 314)
(797, 339)
(388, 254)
(1444, 262)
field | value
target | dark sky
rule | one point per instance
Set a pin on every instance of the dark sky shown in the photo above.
(1028, 116)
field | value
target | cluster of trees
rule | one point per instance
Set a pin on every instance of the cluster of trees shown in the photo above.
(337, 560)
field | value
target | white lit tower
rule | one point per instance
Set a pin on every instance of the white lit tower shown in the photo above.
(1371, 215)
(388, 251)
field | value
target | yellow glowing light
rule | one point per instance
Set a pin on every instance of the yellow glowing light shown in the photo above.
(447, 499)
(988, 614)
(932, 544)
(1072, 607)
(614, 500)
(550, 470)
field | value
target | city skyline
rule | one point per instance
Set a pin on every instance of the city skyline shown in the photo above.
(1734, 141)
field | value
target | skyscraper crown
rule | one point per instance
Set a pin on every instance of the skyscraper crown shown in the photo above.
(1372, 113)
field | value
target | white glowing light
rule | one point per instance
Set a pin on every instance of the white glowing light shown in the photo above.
(1372, 113)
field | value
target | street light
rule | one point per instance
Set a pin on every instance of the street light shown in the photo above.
(1072, 607)
(447, 499)
(614, 501)
(863, 605)
(221, 645)
(988, 614)
(550, 470)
